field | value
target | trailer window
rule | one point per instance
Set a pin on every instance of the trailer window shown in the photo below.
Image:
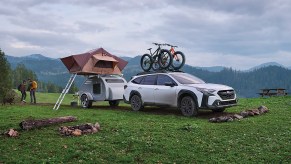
(114, 81)
(97, 88)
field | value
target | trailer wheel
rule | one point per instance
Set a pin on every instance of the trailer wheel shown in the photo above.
(85, 102)
(114, 103)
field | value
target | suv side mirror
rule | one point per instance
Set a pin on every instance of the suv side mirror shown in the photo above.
(171, 84)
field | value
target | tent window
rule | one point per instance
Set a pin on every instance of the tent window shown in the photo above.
(97, 88)
(104, 64)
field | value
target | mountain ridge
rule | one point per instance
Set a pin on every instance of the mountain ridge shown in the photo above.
(246, 83)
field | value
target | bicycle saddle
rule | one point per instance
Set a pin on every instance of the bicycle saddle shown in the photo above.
(149, 49)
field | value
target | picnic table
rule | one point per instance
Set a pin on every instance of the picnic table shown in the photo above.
(273, 92)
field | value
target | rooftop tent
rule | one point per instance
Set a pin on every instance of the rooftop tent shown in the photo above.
(97, 61)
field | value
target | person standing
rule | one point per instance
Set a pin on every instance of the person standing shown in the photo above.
(32, 88)
(22, 89)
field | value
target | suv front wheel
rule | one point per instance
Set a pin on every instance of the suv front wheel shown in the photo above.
(188, 106)
(136, 103)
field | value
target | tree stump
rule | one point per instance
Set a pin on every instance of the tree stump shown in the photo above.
(31, 124)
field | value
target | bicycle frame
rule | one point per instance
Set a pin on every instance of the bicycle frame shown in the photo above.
(157, 51)
(172, 50)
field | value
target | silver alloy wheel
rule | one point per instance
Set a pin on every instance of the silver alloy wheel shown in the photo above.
(188, 106)
(136, 102)
(85, 101)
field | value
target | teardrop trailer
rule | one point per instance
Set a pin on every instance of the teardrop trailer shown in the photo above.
(102, 88)
(104, 81)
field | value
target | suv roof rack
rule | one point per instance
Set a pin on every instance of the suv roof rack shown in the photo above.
(159, 71)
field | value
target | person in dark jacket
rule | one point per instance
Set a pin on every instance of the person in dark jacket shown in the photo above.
(23, 91)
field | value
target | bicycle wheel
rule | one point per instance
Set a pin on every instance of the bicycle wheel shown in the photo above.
(178, 60)
(165, 59)
(155, 65)
(146, 62)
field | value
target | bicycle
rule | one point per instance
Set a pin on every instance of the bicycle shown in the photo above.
(178, 57)
(159, 59)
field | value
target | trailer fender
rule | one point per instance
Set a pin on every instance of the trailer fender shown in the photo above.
(89, 95)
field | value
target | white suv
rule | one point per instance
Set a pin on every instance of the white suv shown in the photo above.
(176, 89)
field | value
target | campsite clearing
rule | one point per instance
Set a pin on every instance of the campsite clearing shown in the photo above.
(154, 135)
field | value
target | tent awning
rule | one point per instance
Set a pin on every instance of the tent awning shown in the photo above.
(98, 61)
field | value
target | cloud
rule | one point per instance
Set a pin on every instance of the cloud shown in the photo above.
(209, 32)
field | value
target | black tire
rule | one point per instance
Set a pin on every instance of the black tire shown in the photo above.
(188, 106)
(146, 62)
(136, 103)
(155, 65)
(165, 59)
(114, 103)
(178, 60)
(218, 110)
(85, 102)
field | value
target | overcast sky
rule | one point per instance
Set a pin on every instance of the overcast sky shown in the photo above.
(233, 33)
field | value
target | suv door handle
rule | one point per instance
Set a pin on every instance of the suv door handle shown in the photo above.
(139, 87)
(157, 89)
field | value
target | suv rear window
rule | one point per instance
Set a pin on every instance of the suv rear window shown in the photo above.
(137, 80)
(149, 80)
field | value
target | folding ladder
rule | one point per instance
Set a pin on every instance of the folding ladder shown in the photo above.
(65, 91)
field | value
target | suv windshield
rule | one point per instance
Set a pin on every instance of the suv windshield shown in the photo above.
(185, 78)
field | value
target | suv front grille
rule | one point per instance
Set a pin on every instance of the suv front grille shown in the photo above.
(226, 94)
(231, 102)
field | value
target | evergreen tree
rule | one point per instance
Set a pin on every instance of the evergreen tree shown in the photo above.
(5, 82)
(21, 73)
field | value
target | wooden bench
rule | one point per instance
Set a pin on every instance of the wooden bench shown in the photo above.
(273, 92)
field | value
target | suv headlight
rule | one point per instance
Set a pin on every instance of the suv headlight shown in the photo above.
(206, 91)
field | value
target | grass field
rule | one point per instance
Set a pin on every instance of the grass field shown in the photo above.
(153, 135)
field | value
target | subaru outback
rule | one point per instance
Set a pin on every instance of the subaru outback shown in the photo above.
(180, 90)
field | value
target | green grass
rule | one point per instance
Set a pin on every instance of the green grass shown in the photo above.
(150, 136)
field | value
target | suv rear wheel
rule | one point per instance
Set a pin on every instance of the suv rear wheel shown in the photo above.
(188, 106)
(136, 103)
(85, 102)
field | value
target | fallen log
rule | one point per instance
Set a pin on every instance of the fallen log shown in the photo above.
(31, 124)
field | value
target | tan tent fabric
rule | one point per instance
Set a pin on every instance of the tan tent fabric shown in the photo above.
(94, 62)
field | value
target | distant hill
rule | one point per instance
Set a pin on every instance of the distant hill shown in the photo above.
(47, 69)
(212, 69)
(266, 65)
(246, 83)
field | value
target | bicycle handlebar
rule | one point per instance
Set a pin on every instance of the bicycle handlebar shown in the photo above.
(159, 44)
(165, 44)
(171, 45)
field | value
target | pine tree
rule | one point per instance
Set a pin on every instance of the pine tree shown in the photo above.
(5, 82)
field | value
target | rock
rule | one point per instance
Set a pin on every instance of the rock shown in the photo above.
(12, 133)
(77, 132)
(213, 119)
(229, 119)
(237, 116)
(256, 111)
(250, 113)
(244, 114)
(94, 130)
(263, 109)
(222, 119)
(97, 126)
